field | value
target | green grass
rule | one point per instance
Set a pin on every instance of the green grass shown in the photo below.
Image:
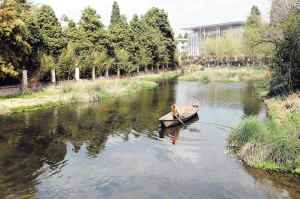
(268, 143)
(157, 77)
(220, 74)
(73, 92)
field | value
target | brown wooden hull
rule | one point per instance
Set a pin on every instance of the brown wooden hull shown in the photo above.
(188, 111)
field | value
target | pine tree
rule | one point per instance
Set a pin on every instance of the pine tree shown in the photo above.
(115, 14)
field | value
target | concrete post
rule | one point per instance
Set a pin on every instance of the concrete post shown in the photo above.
(106, 72)
(118, 73)
(53, 76)
(138, 69)
(76, 73)
(25, 81)
(93, 74)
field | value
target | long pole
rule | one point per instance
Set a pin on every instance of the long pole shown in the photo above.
(179, 119)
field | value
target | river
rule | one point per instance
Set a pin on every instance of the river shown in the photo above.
(115, 148)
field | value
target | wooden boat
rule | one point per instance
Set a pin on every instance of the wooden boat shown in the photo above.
(186, 112)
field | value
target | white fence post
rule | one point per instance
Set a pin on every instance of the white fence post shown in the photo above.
(76, 73)
(93, 74)
(25, 81)
(53, 75)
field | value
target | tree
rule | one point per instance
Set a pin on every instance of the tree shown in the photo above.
(66, 63)
(179, 36)
(186, 36)
(146, 41)
(115, 14)
(94, 29)
(51, 31)
(13, 44)
(158, 19)
(32, 60)
(258, 39)
(64, 18)
(122, 40)
(286, 60)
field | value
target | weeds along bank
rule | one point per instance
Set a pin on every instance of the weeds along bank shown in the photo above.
(222, 74)
(274, 142)
(82, 91)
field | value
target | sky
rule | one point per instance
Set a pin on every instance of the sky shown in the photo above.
(181, 14)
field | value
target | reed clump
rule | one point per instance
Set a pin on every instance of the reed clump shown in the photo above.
(268, 143)
(221, 74)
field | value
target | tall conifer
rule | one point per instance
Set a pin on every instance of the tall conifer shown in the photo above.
(115, 14)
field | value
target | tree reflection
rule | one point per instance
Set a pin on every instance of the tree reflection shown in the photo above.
(38, 141)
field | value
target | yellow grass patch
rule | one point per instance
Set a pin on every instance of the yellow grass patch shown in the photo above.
(279, 108)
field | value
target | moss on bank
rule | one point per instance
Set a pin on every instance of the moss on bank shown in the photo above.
(82, 91)
(222, 74)
(272, 143)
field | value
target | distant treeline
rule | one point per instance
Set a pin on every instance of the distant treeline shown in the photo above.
(32, 38)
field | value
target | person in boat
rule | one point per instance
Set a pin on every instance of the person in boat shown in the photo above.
(175, 111)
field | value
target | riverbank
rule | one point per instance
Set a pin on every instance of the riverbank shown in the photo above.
(272, 143)
(222, 74)
(82, 91)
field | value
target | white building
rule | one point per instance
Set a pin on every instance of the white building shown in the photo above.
(182, 45)
(201, 33)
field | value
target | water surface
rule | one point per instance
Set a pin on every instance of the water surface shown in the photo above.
(116, 149)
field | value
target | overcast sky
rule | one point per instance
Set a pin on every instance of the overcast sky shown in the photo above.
(182, 14)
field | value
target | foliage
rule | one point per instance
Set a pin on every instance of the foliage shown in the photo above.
(13, 34)
(158, 19)
(66, 63)
(256, 40)
(32, 38)
(286, 59)
(51, 31)
(115, 14)
(93, 29)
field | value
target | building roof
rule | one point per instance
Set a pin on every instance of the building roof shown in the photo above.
(213, 26)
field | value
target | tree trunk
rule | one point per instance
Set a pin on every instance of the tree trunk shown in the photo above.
(138, 70)
(118, 73)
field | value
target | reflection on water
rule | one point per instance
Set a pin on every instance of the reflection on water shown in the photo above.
(116, 149)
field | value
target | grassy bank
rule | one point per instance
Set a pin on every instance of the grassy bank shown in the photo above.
(157, 77)
(82, 91)
(271, 143)
(223, 74)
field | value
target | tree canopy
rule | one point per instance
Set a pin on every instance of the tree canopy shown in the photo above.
(13, 34)
(32, 38)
